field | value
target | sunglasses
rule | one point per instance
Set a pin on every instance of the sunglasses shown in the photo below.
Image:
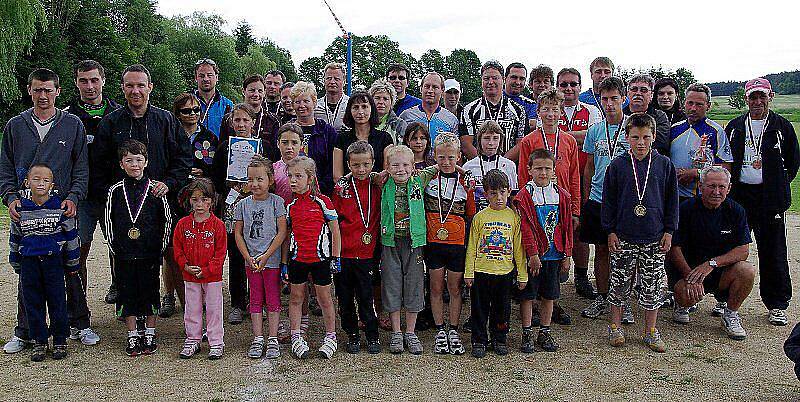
(189, 110)
(397, 77)
(205, 61)
(569, 84)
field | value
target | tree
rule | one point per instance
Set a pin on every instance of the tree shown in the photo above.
(243, 35)
(281, 57)
(683, 76)
(254, 62)
(16, 41)
(465, 66)
(736, 99)
(311, 71)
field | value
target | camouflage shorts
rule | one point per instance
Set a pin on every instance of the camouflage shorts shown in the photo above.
(638, 267)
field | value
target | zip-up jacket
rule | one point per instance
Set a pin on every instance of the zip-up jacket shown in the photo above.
(211, 114)
(534, 239)
(203, 244)
(44, 230)
(153, 223)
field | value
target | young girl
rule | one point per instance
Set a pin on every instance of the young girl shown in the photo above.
(200, 244)
(260, 230)
(314, 248)
(490, 136)
(418, 139)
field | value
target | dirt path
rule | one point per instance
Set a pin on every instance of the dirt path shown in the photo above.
(701, 362)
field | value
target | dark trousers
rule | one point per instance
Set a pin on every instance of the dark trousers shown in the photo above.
(354, 286)
(491, 301)
(769, 229)
(43, 290)
(240, 296)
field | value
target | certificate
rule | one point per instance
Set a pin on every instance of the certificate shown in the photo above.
(240, 152)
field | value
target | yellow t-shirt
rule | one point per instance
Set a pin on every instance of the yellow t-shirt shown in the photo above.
(495, 244)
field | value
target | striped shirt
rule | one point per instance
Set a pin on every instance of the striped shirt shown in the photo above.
(44, 230)
(508, 114)
(307, 218)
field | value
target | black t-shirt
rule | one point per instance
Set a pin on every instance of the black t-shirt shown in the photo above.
(377, 138)
(707, 233)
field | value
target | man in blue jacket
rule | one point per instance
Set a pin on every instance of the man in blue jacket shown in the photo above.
(213, 104)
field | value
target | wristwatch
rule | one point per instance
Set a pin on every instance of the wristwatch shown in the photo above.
(713, 263)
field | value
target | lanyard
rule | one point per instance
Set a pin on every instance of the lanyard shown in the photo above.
(331, 119)
(557, 142)
(640, 193)
(612, 146)
(480, 163)
(452, 199)
(135, 217)
(756, 147)
(364, 220)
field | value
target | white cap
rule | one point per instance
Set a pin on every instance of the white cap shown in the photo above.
(452, 84)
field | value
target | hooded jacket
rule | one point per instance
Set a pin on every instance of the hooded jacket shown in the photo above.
(44, 230)
(203, 244)
(534, 239)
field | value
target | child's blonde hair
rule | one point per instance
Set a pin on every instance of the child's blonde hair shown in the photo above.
(259, 161)
(399, 150)
(310, 167)
(447, 139)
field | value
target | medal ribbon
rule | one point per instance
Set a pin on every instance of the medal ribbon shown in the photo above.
(757, 147)
(141, 203)
(558, 140)
(365, 221)
(640, 194)
(439, 198)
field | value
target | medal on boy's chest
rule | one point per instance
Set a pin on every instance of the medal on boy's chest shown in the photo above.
(134, 232)
(442, 233)
(640, 210)
(756, 164)
(366, 238)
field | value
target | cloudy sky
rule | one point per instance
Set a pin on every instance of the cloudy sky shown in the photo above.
(713, 39)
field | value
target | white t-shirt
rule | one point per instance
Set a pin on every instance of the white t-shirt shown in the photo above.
(477, 167)
(594, 113)
(751, 175)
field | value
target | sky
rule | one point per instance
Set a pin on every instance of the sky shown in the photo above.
(713, 39)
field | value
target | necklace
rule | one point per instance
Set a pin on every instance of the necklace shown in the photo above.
(557, 141)
(366, 238)
(442, 233)
(134, 232)
(640, 210)
(612, 146)
(756, 164)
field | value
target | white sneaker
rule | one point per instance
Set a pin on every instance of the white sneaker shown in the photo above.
(680, 315)
(440, 345)
(328, 347)
(87, 336)
(598, 307)
(15, 344)
(719, 309)
(300, 348)
(778, 317)
(733, 325)
(454, 341)
(627, 314)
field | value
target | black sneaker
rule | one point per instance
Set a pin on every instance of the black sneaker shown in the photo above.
(167, 306)
(560, 316)
(353, 344)
(112, 295)
(39, 352)
(149, 345)
(500, 348)
(373, 347)
(59, 352)
(527, 341)
(545, 341)
(134, 346)
(478, 350)
(584, 288)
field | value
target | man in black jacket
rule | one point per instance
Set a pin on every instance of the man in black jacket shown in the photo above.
(766, 158)
(640, 93)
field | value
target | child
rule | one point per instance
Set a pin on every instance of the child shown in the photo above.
(417, 138)
(357, 201)
(490, 136)
(446, 212)
(494, 248)
(137, 228)
(260, 230)
(289, 142)
(403, 232)
(640, 213)
(314, 248)
(545, 210)
(44, 243)
(200, 245)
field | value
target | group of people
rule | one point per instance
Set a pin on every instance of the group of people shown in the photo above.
(399, 203)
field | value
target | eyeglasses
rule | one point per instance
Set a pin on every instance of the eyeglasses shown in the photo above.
(642, 90)
(397, 77)
(205, 61)
(189, 110)
(569, 84)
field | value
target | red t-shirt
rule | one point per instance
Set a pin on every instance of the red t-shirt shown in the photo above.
(351, 224)
(580, 122)
(567, 169)
(203, 244)
(307, 218)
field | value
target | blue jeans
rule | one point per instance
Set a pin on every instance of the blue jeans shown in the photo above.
(43, 290)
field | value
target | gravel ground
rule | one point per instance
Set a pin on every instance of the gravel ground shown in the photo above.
(701, 363)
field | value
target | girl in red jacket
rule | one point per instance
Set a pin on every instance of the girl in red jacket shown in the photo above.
(200, 244)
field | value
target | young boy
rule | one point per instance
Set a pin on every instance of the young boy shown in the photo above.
(446, 211)
(545, 210)
(640, 213)
(44, 243)
(137, 228)
(494, 248)
(403, 233)
(358, 202)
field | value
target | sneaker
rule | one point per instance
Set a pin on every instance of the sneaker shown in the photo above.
(719, 309)
(616, 336)
(215, 352)
(149, 345)
(39, 352)
(440, 344)
(328, 347)
(189, 349)
(300, 348)
(373, 347)
(560, 316)
(777, 317)
(236, 316)
(284, 334)
(693, 308)
(584, 288)
(167, 306)
(527, 341)
(669, 300)
(396, 343)
(112, 295)
(313, 306)
(256, 348)
(87, 336)
(134, 346)
(15, 344)
(627, 314)
(546, 342)
(467, 327)
(59, 352)
(598, 307)
(353, 344)
(653, 341)
(500, 348)
(478, 350)
(454, 341)
(413, 344)
(680, 315)
(733, 325)
(204, 338)
(273, 349)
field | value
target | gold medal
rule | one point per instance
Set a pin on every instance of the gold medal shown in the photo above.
(366, 238)
(756, 163)
(640, 210)
(134, 233)
(441, 234)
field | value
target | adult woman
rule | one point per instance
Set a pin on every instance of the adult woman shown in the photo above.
(361, 115)
(666, 92)
(319, 137)
(385, 96)
(265, 124)
(204, 143)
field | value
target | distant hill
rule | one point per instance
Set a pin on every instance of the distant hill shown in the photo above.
(785, 83)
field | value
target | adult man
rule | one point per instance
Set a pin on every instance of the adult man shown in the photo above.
(331, 107)
(575, 120)
(493, 106)
(710, 250)
(286, 110)
(273, 81)
(640, 92)
(452, 96)
(44, 134)
(213, 105)
(399, 76)
(765, 161)
(516, 73)
(430, 112)
(697, 142)
(541, 78)
(600, 69)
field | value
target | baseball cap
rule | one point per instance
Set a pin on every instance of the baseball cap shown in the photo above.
(757, 84)
(452, 84)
